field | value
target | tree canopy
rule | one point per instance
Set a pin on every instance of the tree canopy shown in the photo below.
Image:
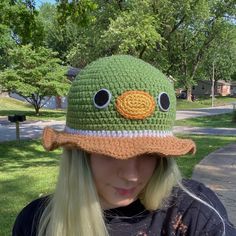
(34, 74)
(176, 36)
(182, 38)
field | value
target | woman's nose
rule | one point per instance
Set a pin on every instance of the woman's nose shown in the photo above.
(128, 170)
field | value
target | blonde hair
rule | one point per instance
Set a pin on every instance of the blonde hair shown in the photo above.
(75, 209)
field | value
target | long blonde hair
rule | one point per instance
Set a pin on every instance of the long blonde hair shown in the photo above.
(74, 209)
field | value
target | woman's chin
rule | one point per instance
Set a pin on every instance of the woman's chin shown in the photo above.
(119, 203)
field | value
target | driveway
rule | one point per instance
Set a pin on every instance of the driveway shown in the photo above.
(204, 112)
(28, 130)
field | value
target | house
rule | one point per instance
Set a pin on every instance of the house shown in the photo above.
(233, 89)
(204, 88)
(72, 72)
(61, 102)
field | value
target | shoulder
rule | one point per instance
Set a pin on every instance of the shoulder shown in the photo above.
(28, 219)
(198, 193)
(193, 195)
(198, 207)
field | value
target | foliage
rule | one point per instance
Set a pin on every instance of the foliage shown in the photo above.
(176, 36)
(79, 11)
(134, 32)
(221, 55)
(198, 24)
(58, 37)
(6, 42)
(18, 26)
(182, 38)
(34, 74)
(20, 18)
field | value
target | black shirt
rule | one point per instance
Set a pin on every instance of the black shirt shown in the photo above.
(181, 215)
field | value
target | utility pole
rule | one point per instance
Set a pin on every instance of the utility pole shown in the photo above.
(213, 84)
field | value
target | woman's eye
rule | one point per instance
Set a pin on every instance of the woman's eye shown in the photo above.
(102, 98)
(163, 101)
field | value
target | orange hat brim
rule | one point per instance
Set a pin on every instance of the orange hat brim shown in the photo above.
(118, 147)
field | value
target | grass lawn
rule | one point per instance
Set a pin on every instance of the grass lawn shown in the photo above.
(217, 121)
(27, 172)
(10, 106)
(183, 104)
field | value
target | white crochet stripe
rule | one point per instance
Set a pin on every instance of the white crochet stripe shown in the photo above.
(120, 133)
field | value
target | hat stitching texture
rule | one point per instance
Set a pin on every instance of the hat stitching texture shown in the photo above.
(120, 133)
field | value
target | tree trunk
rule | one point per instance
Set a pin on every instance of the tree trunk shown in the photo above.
(36, 108)
(58, 102)
(189, 94)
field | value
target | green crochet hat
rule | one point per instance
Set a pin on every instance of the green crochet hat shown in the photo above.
(122, 107)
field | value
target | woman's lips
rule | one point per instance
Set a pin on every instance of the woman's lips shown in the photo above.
(125, 192)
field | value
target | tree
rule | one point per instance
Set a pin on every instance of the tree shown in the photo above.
(58, 37)
(175, 36)
(34, 74)
(222, 54)
(134, 31)
(6, 42)
(193, 27)
(20, 17)
(117, 27)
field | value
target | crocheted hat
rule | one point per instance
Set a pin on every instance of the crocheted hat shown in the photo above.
(122, 107)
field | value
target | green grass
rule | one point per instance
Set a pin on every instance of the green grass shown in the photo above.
(217, 121)
(183, 104)
(27, 172)
(205, 145)
(10, 106)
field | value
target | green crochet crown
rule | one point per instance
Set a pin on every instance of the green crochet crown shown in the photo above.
(121, 93)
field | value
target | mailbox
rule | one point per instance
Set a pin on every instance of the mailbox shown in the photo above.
(17, 118)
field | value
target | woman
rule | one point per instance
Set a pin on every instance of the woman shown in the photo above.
(118, 174)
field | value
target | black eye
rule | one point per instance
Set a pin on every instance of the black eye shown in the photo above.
(164, 101)
(102, 98)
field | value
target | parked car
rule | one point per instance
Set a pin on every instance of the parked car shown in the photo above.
(183, 95)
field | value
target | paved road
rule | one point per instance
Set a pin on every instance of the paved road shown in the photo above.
(27, 130)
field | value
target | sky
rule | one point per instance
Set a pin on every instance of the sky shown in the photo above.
(40, 2)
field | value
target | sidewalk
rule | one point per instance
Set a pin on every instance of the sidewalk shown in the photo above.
(218, 172)
(204, 130)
